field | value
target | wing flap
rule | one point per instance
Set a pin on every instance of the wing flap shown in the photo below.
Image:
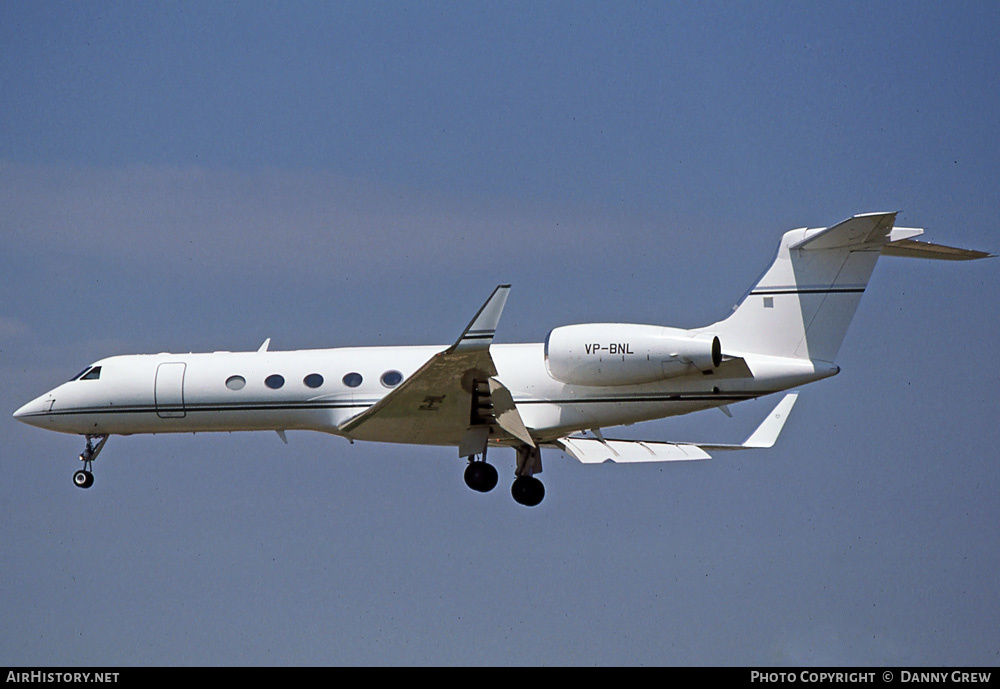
(507, 415)
(593, 451)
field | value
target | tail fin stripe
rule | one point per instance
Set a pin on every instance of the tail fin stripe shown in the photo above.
(809, 290)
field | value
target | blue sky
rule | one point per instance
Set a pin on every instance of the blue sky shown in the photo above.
(192, 176)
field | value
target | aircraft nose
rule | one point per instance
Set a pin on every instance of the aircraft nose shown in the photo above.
(33, 412)
(22, 412)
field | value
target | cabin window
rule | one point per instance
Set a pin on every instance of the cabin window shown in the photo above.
(391, 379)
(236, 382)
(313, 380)
(92, 374)
(353, 380)
(274, 382)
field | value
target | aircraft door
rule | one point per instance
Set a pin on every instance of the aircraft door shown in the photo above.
(169, 390)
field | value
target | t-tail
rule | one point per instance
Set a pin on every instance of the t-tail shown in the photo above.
(803, 304)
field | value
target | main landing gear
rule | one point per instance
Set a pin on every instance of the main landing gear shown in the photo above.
(84, 478)
(527, 490)
(481, 476)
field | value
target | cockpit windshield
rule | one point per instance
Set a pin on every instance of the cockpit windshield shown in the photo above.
(89, 373)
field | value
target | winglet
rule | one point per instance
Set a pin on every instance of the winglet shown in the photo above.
(768, 431)
(479, 333)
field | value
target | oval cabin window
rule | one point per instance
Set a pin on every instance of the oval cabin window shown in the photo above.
(353, 380)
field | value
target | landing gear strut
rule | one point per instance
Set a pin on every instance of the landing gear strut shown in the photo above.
(84, 478)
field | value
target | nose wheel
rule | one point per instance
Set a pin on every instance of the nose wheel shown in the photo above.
(84, 478)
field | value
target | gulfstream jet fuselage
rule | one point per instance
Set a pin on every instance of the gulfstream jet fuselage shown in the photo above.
(475, 394)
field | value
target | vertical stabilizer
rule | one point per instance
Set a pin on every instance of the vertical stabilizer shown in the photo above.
(803, 304)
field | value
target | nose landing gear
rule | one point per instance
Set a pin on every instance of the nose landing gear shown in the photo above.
(84, 478)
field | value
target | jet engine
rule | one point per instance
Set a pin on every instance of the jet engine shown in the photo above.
(627, 354)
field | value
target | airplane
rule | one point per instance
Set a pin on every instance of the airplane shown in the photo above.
(474, 394)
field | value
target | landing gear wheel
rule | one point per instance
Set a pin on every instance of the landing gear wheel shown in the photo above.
(83, 479)
(481, 477)
(527, 491)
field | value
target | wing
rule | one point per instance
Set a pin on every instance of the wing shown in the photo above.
(448, 400)
(594, 451)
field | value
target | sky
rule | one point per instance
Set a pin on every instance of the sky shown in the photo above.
(185, 176)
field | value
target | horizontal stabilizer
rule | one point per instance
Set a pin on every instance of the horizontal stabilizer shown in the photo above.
(853, 233)
(597, 451)
(911, 248)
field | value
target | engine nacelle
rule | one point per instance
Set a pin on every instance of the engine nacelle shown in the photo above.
(627, 354)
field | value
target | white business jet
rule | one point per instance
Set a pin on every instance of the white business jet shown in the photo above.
(783, 334)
